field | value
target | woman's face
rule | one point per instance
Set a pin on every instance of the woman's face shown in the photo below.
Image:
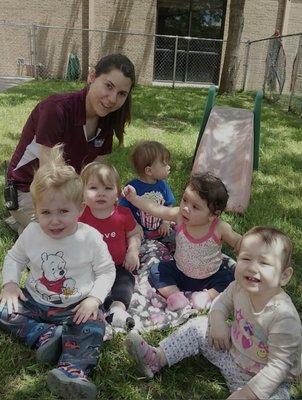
(107, 93)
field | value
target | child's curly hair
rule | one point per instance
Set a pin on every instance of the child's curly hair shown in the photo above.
(211, 189)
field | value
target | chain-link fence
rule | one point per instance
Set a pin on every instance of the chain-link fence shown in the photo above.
(16, 50)
(275, 64)
(295, 100)
(185, 59)
(57, 52)
(48, 52)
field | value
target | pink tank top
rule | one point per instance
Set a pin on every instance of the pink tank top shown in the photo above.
(198, 258)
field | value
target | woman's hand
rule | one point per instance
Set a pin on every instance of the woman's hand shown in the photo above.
(88, 308)
(129, 193)
(9, 296)
(131, 262)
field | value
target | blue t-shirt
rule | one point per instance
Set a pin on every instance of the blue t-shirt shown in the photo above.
(159, 192)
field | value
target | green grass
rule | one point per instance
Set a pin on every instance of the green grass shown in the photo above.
(173, 118)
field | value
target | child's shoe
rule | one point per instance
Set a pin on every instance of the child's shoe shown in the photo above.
(119, 318)
(177, 301)
(146, 356)
(201, 300)
(70, 383)
(49, 345)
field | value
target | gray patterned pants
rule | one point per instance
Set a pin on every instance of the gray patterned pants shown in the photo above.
(191, 339)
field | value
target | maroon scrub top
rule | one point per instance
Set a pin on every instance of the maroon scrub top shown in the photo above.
(58, 119)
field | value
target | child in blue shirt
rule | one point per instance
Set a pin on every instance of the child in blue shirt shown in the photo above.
(150, 160)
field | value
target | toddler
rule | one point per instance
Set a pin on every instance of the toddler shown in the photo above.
(150, 160)
(120, 231)
(261, 350)
(199, 235)
(70, 273)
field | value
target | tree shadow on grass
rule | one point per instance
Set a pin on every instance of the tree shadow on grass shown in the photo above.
(168, 108)
(36, 91)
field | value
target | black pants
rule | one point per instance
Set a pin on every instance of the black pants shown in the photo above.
(122, 289)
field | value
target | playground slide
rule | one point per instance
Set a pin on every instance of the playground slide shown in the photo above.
(226, 150)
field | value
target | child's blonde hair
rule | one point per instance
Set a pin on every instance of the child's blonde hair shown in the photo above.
(56, 175)
(106, 174)
(271, 236)
(146, 153)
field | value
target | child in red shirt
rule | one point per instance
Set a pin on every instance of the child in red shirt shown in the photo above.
(120, 231)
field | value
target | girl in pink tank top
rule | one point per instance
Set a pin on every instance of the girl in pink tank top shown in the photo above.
(199, 237)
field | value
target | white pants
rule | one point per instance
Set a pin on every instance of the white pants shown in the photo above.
(25, 213)
(191, 339)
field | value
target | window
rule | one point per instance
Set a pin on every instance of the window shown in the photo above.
(196, 60)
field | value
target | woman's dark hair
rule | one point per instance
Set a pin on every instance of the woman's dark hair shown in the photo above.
(211, 189)
(120, 117)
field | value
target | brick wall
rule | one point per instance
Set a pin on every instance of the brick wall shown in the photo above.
(260, 21)
(53, 45)
(137, 16)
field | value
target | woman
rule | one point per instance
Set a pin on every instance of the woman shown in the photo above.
(84, 121)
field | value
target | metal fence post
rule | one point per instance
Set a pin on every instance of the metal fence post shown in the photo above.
(34, 50)
(175, 61)
(295, 73)
(246, 64)
(29, 35)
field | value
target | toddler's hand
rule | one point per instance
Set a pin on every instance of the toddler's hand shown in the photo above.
(220, 336)
(9, 295)
(129, 192)
(131, 262)
(164, 229)
(88, 308)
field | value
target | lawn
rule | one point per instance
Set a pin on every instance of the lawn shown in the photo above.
(173, 118)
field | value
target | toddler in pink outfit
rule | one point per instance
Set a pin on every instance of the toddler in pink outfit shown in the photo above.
(200, 233)
(260, 352)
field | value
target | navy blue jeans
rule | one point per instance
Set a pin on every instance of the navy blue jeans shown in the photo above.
(81, 344)
(165, 274)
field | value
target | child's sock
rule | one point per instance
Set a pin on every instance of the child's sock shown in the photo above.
(149, 359)
(119, 318)
(201, 300)
(177, 301)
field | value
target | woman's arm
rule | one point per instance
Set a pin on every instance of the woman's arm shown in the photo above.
(149, 206)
